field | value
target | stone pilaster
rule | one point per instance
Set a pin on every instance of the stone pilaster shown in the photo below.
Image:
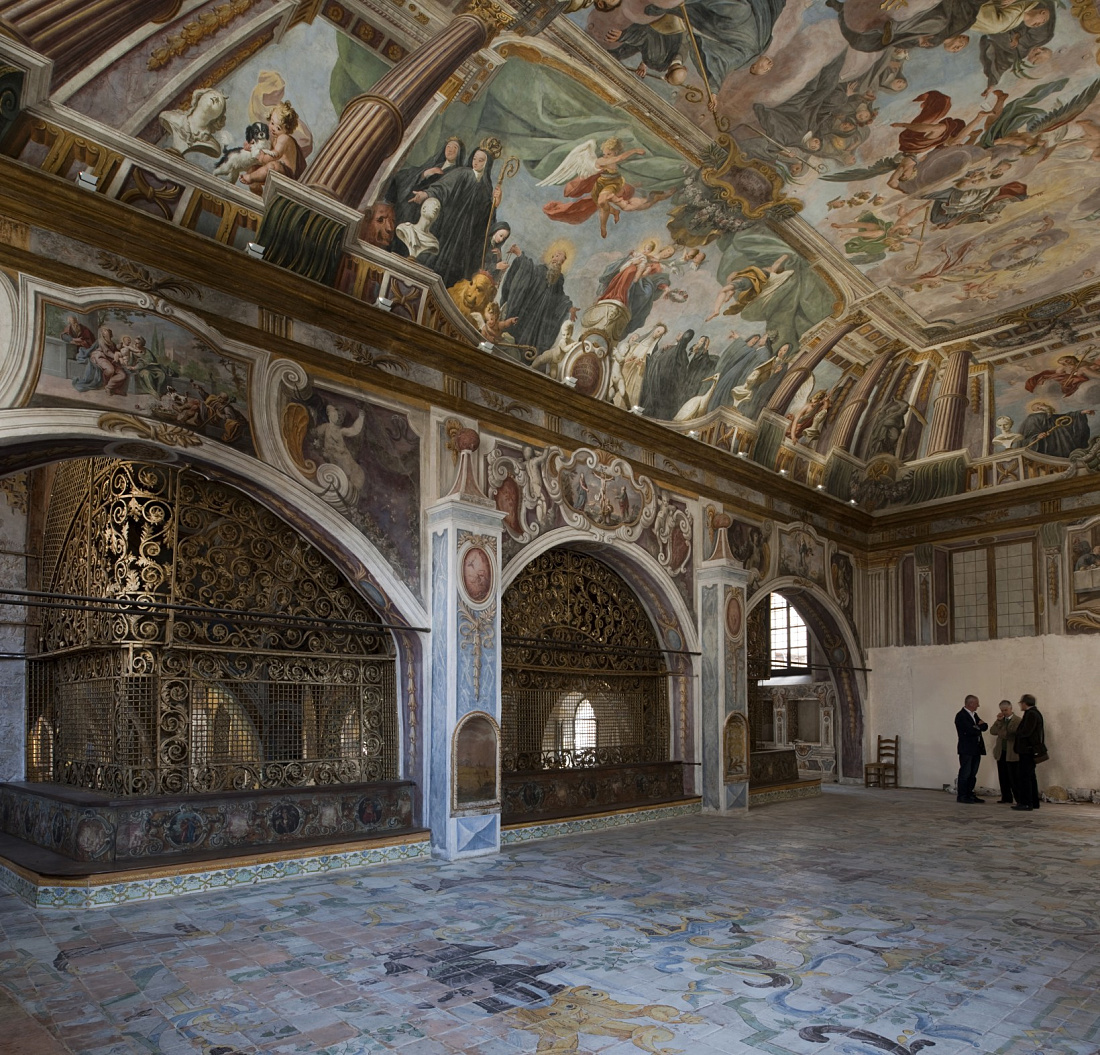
(463, 795)
(723, 685)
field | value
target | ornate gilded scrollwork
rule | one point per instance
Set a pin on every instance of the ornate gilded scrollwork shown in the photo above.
(236, 655)
(574, 634)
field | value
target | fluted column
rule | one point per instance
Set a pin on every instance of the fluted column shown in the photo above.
(856, 403)
(949, 414)
(806, 363)
(373, 125)
(75, 32)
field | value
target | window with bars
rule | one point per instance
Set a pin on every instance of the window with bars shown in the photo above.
(993, 591)
(790, 642)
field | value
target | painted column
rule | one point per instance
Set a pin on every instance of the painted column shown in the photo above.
(464, 766)
(74, 32)
(949, 414)
(856, 403)
(373, 125)
(805, 364)
(772, 427)
(723, 686)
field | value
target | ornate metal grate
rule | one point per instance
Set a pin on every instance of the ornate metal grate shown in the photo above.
(584, 681)
(241, 658)
(758, 661)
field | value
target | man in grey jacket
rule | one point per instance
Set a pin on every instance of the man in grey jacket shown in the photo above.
(1004, 750)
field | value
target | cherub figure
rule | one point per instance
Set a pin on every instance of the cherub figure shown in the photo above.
(494, 328)
(555, 355)
(694, 256)
(284, 156)
(593, 180)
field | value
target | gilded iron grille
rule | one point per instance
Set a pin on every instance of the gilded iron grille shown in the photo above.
(286, 685)
(584, 681)
(759, 666)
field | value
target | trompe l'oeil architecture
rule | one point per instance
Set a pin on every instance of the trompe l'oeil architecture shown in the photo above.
(430, 427)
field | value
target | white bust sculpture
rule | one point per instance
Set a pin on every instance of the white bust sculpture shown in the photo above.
(195, 128)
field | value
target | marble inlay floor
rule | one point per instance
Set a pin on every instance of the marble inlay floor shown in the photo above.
(858, 922)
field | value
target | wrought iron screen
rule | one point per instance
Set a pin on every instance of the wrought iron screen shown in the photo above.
(759, 666)
(238, 658)
(584, 681)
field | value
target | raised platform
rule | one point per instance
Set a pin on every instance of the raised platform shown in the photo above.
(112, 831)
(512, 834)
(557, 794)
(772, 765)
(46, 885)
(795, 789)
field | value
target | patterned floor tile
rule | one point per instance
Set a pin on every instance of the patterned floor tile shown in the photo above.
(856, 923)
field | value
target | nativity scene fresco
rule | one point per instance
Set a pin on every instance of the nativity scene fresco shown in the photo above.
(664, 205)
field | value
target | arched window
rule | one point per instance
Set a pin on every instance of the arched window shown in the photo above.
(584, 682)
(584, 727)
(790, 643)
(41, 751)
(571, 735)
(221, 731)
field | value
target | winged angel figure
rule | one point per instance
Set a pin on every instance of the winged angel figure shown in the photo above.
(596, 185)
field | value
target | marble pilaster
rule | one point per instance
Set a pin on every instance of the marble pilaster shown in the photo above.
(723, 684)
(465, 538)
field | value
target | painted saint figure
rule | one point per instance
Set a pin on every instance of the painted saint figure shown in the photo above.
(455, 214)
(332, 437)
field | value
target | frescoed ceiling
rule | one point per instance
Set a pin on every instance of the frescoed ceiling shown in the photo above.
(689, 196)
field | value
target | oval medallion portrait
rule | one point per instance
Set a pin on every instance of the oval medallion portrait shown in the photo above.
(477, 574)
(735, 616)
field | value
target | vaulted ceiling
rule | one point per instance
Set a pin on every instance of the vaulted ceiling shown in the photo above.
(902, 193)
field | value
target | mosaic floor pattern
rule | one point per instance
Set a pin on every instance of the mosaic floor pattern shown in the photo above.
(860, 922)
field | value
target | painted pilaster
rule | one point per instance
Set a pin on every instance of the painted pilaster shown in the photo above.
(465, 531)
(722, 685)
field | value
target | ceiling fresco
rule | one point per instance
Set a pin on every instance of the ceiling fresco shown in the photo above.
(661, 204)
(943, 148)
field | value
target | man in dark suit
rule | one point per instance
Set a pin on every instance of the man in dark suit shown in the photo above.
(1030, 741)
(971, 748)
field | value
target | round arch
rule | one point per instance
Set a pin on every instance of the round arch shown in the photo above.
(34, 437)
(838, 639)
(666, 609)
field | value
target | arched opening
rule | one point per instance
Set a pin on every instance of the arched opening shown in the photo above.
(190, 641)
(584, 692)
(186, 642)
(805, 710)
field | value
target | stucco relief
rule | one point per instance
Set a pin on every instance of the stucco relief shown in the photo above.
(592, 491)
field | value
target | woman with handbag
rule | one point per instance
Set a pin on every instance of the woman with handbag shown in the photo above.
(1030, 748)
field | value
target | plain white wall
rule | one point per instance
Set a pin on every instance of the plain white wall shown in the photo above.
(915, 693)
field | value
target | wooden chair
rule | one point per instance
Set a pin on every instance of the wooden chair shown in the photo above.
(883, 773)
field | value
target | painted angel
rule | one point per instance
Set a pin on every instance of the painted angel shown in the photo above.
(593, 181)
